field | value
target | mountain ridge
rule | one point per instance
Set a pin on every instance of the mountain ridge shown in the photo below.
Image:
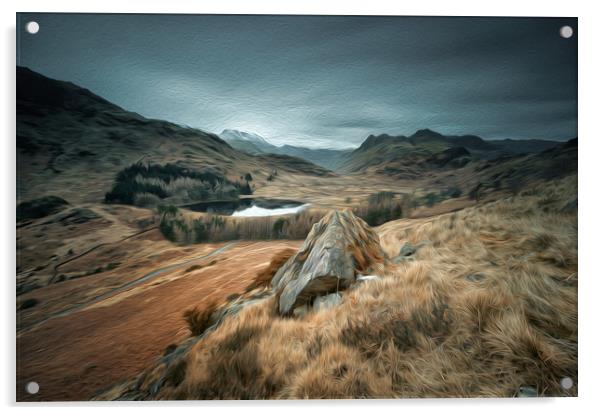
(386, 152)
(64, 133)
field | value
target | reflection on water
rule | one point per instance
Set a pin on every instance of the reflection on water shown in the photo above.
(259, 211)
(248, 207)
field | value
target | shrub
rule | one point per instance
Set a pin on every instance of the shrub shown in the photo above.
(278, 226)
(39, 208)
(167, 230)
(451, 192)
(28, 303)
(380, 197)
(167, 210)
(199, 318)
(200, 230)
(430, 199)
(146, 200)
(245, 189)
(383, 207)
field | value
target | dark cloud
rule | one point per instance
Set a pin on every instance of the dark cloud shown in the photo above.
(321, 80)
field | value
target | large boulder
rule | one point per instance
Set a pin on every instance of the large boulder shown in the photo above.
(337, 248)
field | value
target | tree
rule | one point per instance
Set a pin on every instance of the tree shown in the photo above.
(167, 210)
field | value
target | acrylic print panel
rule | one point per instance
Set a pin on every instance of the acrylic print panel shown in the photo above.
(286, 207)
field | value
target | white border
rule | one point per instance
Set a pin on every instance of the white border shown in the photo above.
(590, 165)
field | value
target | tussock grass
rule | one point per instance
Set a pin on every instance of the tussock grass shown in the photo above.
(425, 329)
(200, 318)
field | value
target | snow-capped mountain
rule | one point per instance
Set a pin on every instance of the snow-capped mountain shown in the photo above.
(255, 144)
(249, 142)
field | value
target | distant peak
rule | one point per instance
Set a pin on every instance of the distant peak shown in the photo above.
(232, 134)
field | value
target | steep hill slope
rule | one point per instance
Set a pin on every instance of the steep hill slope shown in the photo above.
(71, 143)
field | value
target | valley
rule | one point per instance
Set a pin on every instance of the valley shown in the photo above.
(146, 271)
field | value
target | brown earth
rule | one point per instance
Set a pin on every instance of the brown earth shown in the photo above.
(75, 355)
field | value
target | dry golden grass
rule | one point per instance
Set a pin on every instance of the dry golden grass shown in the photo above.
(488, 304)
(199, 318)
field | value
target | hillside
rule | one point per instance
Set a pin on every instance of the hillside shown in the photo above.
(439, 316)
(66, 133)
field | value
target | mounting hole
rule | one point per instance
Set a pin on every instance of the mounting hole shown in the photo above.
(32, 388)
(566, 383)
(566, 32)
(32, 28)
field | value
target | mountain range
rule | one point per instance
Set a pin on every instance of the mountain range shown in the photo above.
(66, 133)
(384, 152)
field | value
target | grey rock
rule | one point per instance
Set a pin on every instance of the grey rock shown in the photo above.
(301, 311)
(406, 253)
(407, 250)
(527, 392)
(475, 277)
(327, 301)
(337, 247)
(361, 278)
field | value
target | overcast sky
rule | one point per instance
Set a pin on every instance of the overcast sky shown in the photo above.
(320, 81)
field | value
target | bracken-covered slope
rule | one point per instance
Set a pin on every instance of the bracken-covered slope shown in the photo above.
(476, 303)
(71, 143)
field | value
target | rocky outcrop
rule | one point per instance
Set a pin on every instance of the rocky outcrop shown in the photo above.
(337, 248)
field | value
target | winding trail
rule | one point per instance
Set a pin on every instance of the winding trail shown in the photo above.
(124, 287)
